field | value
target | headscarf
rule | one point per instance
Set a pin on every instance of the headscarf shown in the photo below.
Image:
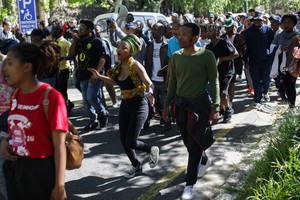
(134, 43)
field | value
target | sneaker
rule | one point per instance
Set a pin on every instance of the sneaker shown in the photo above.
(153, 156)
(238, 78)
(92, 125)
(257, 106)
(104, 119)
(266, 98)
(228, 115)
(115, 105)
(166, 127)
(202, 168)
(133, 171)
(188, 192)
(70, 106)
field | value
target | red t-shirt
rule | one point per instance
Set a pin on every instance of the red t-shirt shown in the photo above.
(30, 132)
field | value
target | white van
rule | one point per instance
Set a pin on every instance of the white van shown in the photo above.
(138, 16)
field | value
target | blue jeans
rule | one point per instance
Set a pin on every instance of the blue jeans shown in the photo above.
(260, 74)
(92, 98)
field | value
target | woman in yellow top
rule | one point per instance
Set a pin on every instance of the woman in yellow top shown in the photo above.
(135, 87)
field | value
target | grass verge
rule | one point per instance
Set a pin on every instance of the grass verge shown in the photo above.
(276, 175)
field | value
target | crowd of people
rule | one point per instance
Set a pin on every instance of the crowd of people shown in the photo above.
(182, 71)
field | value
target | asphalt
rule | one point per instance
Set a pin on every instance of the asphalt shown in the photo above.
(238, 144)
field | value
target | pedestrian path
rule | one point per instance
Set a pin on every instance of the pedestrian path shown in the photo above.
(238, 143)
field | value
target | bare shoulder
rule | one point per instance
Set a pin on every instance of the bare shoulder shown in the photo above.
(137, 66)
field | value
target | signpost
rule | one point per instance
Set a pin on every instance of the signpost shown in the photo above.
(27, 15)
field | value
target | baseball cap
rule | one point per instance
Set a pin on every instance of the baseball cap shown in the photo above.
(257, 16)
(210, 15)
(228, 22)
(174, 15)
(275, 18)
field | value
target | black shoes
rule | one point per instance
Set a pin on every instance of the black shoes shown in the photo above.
(92, 125)
(104, 119)
(70, 106)
(228, 115)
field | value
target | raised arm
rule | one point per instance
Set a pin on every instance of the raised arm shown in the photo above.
(101, 77)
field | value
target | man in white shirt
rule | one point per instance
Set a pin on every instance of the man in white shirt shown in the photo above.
(156, 60)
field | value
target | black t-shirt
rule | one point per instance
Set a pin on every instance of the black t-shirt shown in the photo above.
(46, 32)
(222, 49)
(89, 50)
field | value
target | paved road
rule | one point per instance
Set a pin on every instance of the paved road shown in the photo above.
(101, 175)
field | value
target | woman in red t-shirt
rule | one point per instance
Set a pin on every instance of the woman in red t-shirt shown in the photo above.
(35, 151)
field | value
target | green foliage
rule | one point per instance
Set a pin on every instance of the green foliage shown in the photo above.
(188, 6)
(4, 13)
(8, 10)
(45, 5)
(276, 174)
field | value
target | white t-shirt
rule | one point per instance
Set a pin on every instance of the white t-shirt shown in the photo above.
(156, 62)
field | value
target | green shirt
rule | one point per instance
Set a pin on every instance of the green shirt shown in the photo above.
(190, 74)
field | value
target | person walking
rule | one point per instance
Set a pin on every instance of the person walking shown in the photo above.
(91, 54)
(258, 39)
(35, 150)
(239, 43)
(109, 62)
(286, 41)
(64, 64)
(135, 86)
(191, 70)
(224, 52)
(156, 60)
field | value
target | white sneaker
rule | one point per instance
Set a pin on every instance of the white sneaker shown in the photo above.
(266, 97)
(153, 156)
(238, 78)
(133, 171)
(188, 192)
(257, 106)
(202, 168)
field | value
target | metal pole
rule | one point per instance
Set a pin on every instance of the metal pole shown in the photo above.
(246, 6)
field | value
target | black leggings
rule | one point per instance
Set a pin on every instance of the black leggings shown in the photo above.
(290, 87)
(63, 82)
(132, 116)
(29, 178)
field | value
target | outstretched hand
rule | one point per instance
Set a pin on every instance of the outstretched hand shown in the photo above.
(94, 72)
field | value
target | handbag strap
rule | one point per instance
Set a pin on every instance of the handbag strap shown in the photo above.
(70, 125)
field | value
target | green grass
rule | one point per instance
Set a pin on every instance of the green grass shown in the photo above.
(276, 175)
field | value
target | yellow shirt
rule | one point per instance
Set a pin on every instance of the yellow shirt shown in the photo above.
(64, 51)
